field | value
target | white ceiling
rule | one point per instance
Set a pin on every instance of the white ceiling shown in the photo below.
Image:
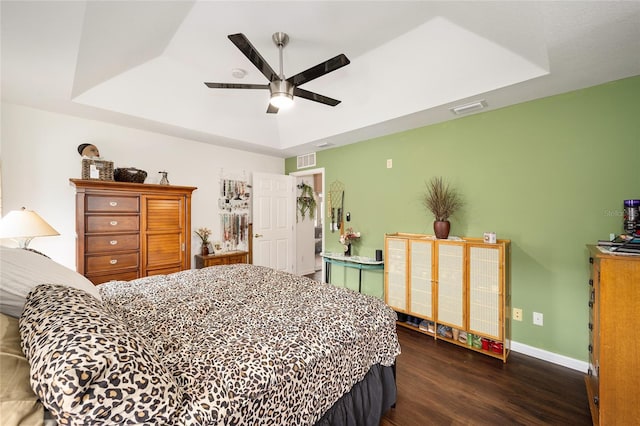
(143, 63)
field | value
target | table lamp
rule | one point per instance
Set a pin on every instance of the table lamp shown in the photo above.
(24, 225)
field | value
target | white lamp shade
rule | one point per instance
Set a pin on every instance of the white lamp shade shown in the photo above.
(25, 224)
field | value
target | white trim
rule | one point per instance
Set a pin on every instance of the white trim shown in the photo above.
(554, 358)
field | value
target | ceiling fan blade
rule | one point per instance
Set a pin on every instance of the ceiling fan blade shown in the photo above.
(301, 93)
(319, 70)
(236, 86)
(252, 54)
(271, 109)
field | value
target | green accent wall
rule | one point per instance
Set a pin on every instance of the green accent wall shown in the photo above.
(550, 175)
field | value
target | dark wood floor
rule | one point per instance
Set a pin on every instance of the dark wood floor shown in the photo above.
(442, 384)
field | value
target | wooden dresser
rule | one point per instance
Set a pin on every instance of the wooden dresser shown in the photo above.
(613, 380)
(221, 259)
(131, 230)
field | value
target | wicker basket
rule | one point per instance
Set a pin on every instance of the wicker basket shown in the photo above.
(130, 174)
(97, 169)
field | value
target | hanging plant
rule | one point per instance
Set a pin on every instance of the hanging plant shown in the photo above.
(306, 201)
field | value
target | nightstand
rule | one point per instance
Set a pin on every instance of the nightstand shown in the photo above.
(227, 258)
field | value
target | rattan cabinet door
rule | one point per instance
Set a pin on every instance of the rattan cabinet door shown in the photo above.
(395, 272)
(485, 291)
(420, 278)
(450, 279)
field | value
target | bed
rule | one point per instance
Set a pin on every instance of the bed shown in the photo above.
(227, 345)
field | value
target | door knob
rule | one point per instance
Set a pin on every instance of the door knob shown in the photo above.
(258, 235)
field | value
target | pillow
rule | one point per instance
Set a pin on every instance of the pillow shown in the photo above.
(87, 367)
(18, 404)
(21, 270)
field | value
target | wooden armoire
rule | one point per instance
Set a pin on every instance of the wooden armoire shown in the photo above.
(131, 230)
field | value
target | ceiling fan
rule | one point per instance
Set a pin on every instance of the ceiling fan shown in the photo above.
(282, 91)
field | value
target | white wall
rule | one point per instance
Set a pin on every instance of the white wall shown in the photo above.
(38, 156)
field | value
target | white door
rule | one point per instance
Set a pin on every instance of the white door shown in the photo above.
(273, 210)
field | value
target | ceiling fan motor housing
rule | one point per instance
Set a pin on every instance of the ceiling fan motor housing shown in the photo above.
(281, 93)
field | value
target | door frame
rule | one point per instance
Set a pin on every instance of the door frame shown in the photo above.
(311, 172)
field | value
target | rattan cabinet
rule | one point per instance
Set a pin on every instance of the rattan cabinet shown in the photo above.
(130, 230)
(614, 364)
(457, 287)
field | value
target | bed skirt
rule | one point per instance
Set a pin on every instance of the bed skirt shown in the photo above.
(367, 401)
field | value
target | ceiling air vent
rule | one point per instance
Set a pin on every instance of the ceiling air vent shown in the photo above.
(469, 108)
(307, 160)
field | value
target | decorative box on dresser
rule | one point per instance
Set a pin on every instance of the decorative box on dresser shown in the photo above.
(459, 286)
(613, 379)
(131, 230)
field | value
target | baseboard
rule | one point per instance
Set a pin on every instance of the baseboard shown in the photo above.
(554, 358)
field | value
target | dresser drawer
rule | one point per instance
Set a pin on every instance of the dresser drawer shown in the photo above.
(120, 276)
(106, 203)
(112, 262)
(109, 243)
(114, 223)
(239, 258)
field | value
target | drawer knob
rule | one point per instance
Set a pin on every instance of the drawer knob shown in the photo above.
(113, 242)
(113, 203)
(113, 261)
(591, 283)
(113, 223)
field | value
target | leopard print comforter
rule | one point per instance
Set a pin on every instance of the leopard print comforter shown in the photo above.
(250, 345)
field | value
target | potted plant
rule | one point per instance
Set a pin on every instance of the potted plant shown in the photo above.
(204, 234)
(347, 238)
(442, 201)
(306, 201)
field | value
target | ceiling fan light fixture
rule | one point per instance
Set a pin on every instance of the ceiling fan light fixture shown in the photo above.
(281, 94)
(281, 100)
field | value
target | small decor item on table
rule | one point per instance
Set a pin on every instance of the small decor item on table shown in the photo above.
(490, 237)
(442, 201)
(347, 238)
(164, 180)
(130, 174)
(204, 234)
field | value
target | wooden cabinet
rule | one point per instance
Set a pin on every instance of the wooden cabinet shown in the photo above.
(129, 230)
(614, 363)
(221, 259)
(459, 288)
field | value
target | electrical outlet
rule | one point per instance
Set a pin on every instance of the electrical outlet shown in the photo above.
(537, 318)
(517, 314)
(389, 163)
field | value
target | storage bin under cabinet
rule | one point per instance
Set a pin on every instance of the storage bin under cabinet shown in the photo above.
(613, 377)
(462, 285)
(129, 230)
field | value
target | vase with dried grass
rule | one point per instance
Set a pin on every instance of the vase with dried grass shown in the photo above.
(441, 200)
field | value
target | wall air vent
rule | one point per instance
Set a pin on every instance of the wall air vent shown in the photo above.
(307, 160)
(468, 108)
